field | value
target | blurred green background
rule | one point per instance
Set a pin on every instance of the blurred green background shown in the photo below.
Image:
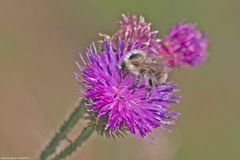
(39, 41)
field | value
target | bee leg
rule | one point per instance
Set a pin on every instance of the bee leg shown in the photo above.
(149, 89)
(163, 78)
(137, 81)
(122, 67)
(164, 75)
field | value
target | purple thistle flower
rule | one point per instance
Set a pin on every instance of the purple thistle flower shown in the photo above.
(136, 32)
(111, 94)
(184, 44)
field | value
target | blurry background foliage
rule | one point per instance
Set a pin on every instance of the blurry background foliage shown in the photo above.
(39, 41)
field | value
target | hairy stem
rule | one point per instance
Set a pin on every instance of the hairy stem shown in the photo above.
(85, 134)
(63, 131)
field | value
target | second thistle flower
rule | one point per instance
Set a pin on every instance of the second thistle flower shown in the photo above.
(184, 44)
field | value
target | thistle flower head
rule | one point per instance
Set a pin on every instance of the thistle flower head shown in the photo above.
(113, 98)
(184, 44)
(136, 32)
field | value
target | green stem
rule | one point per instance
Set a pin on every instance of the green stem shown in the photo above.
(85, 134)
(63, 131)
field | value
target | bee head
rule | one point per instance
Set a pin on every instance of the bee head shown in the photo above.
(134, 56)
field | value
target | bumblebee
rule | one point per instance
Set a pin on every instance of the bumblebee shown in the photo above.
(144, 66)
